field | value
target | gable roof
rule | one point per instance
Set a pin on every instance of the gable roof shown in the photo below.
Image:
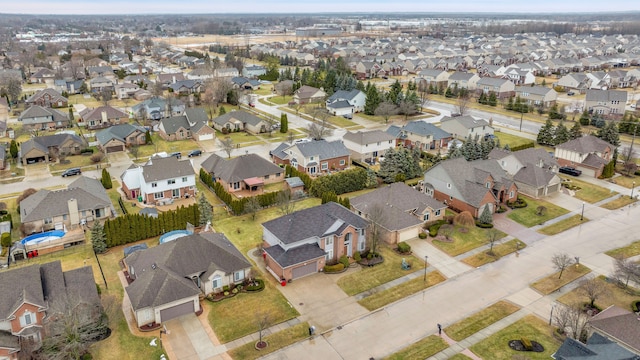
(238, 115)
(43, 143)
(467, 121)
(619, 324)
(424, 128)
(597, 347)
(55, 96)
(585, 144)
(344, 95)
(193, 119)
(318, 221)
(118, 132)
(306, 91)
(534, 176)
(170, 167)
(368, 137)
(31, 115)
(606, 95)
(323, 149)
(239, 168)
(96, 114)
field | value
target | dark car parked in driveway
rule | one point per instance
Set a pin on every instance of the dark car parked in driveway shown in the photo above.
(71, 172)
(570, 171)
(176, 154)
(195, 153)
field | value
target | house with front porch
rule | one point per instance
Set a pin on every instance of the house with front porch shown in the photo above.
(247, 172)
(533, 170)
(313, 157)
(303, 242)
(159, 180)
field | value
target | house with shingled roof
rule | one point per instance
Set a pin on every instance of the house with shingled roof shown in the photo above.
(168, 279)
(308, 94)
(119, 137)
(344, 102)
(247, 172)
(421, 134)
(159, 180)
(597, 347)
(368, 146)
(405, 210)
(586, 153)
(37, 117)
(540, 96)
(605, 102)
(240, 120)
(102, 117)
(301, 243)
(192, 125)
(313, 157)
(47, 98)
(534, 170)
(461, 127)
(619, 325)
(41, 148)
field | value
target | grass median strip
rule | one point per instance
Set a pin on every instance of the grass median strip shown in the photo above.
(275, 342)
(403, 290)
(480, 320)
(422, 349)
(563, 225)
(499, 251)
(589, 192)
(624, 252)
(551, 283)
(618, 203)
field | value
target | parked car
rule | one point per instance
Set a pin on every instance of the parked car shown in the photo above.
(197, 152)
(489, 136)
(176, 154)
(570, 171)
(571, 93)
(71, 172)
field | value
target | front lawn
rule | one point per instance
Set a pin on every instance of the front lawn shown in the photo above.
(370, 277)
(465, 240)
(281, 100)
(563, 225)
(612, 295)
(624, 252)
(403, 290)
(74, 161)
(499, 250)
(161, 145)
(240, 137)
(588, 192)
(627, 181)
(621, 201)
(496, 346)
(551, 283)
(511, 140)
(422, 349)
(276, 341)
(528, 216)
(480, 320)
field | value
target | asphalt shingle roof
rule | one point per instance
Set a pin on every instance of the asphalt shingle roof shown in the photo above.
(238, 115)
(240, 168)
(585, 144)
(368, 137)
(119, 132)
(170, 167)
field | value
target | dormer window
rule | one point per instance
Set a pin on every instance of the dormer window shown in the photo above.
(448, 185)
(27, 318)
(488, 185)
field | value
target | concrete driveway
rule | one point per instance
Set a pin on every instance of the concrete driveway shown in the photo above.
(189, 340)
(36, 171)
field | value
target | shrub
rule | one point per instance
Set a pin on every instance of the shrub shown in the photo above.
(344, 260)
(370, 256)
(422, 235)
(257, 285)
(5, 240)
(356, 256)
(226, 293)
(225, 288)
(517, 204)
(403, 247)
(86, 151)
(97, 157)
(235, 290)
(433, 229)
(634, 305)
(484, 225)
(500, 209)
(464, 219)
(334, 268)
(527, 344)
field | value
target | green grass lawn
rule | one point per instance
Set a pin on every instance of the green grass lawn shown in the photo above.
(280, 100)
(621, 201)
(589, 192)
(527, 216)
(422, 349)
(627, 181)
(81, 161)
(624, 252)
(496, 346)
(403, 290)
(480, 320)
(465, 241)
(510, 139)
(551, 283)
(370, 277)
(238, 137)
(563, 225)
(276, 341)
(160, 145)
(499, 250)
(612, 295)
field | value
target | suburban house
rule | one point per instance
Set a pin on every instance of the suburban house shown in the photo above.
(186, 87)
(4, 109)
(302, 242)
(402, 211)
(470, 185)
(159, 180)
(597, 347)
(308, 94)
(253, 71)
(157, 108)
(3, 155)
(168, 79)
(433, 77)
(503, 88)
(119, 137)
(533, 170)
(126, 90)
(82, 202)
(241, 120)
(42, 76)
(226, 72)
(368, 146)
(100, 84)
(47, 98)
(464, 80)
(168, 279)
(605, 102)
(240, 82)
(45, 148)
(618, 325)
(541, 96)
(33, 299)
(247, 172)
(519, 76)
(191, 125)
(461, 127)
(344, 102)
(420, 134)
(102, 117)
(579, 82)
(313, 157)
(586, 153)
(37, 117)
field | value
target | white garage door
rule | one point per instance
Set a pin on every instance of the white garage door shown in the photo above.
(205, 137)
(304, 270)
(408, 234)
(175, 311)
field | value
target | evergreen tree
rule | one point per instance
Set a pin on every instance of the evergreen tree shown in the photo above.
(71, 117)
(584, 118)
(546, 134)
(222, 111)
(13, 149)
(575, 131)
(372, 101)
(394, 93)
(389, 166)
(98, 238)
(284, 123)
(609, 133)
(493, 99)
(561, 134)
(206, 211)
(485, 216)
(147, 138)
(372, 179)
(483, 98)
(106, 179)
(609, 170)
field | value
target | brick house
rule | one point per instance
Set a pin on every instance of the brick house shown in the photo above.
(102, 117)
(588, 154)
(159, 180)
(313, 157)
(246, 172)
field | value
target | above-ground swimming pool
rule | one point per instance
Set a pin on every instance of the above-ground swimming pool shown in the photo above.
(175, 234)
(42, 237)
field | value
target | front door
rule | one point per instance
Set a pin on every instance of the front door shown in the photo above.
(176, 193)
(347, 245)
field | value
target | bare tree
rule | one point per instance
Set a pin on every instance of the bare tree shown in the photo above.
(407, 108)
(227, 146)
(561, 261)
(320, 130)
(376, 216)
(592, 288)
(290, 137)
(423, 92)
(386, 110)
(492, 236)
(263, 320)
(625, 270)
(105, 96)
(571, 320)
(628, 155)
(284, 88)
(462, 104)
(134, 150)
(285, 202)
(252, 207)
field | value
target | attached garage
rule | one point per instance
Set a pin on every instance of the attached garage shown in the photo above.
(115, 148)
(205, 137)
(176, 311)
(304, 270)
(410, 233)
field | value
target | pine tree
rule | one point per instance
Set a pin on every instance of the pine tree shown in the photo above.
(372, 101)
(485, 216)
(609, 133)
(206, 211)
(147, 138)
(561, 134)
(284, 123)
(584, 118)
(13, 149)
(372, 179)
(106, 179)
(546, 134)
(493, 99)
(575, 131)
(222, 111)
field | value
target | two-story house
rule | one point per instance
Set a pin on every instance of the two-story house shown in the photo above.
(344, 102)
(579, 82)
(461, 127)
(588, 154)
(192, 125)
(247, 172)
(605, 102)
(533, 170)
(368, 146)
(301, 243)
(540, 96)
(253, 71)
(503, 88)
(313, 157)
(159, 180)
(464, 80)
(433, 77)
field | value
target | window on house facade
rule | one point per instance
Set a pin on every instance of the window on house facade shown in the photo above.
(311, 158)
(217, 282)
(184, 179)
(342, 162)
(48, 220)
(488, 185)
(328, 247)
(437, 212)
(425, 217)
(158, 195)
(450, 197)
(154, 184)
(236, 185)
(324, 166)
(27, 318)
(238, 275)
(511, 194)
(266, 177)
(171, 181)
(65, 216)
(448, 185)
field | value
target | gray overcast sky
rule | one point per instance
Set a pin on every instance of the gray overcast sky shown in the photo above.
(302, 6)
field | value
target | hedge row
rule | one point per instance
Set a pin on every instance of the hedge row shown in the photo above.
(523, 146)
(341, 182)
(237, 206)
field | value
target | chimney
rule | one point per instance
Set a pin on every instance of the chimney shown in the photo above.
(104, 117)
(74, 216)
(174, 79)
(140, 69)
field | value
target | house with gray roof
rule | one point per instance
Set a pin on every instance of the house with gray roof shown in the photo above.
(503, 88)
(534, 170)
(598, 347)
(618, 325)
(37, 117)
(579, 82)
(184, 87)
(47, 98)
(368, 146)
(313, 157)
(253, 71)
(605, 102)
(308, 94)
(346, 102)
(540, 96)
(33, 299)
(119, 137)
(157, 108)
(303, 242)
(241, 120)
(192, 125)
(102, 117)
(45, 148)
(248, 172)
(159, 180)
(100, 84)
(169, 278)
(243, 83)
(405, 210)
(83, 201)
(3, 156)
(470, 185)
(463, 80)
(461, 127)
(587, 153)
(420, 134)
